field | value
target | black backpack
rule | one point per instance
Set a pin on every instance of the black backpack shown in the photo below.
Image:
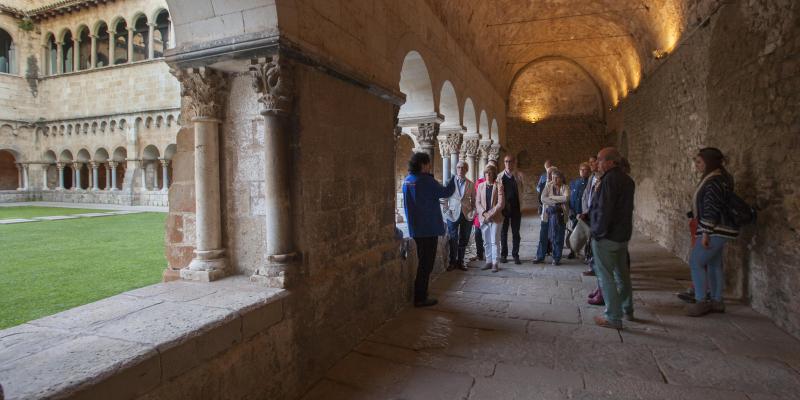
(739, 211)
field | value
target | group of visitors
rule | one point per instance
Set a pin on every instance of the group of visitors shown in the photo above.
(596, 209)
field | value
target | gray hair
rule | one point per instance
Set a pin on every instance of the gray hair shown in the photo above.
(462, 162)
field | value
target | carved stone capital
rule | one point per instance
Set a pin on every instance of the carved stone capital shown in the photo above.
(470, 147)
(113, 164)
(77, 165)
(60, 165)
(164, 162)
(274, 81)
(426, 133)
(93, 164)
(484, 146)
(453, 142)
(494, 152)
(203, 91)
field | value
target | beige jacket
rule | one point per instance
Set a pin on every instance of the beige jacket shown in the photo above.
(459, 204)
(493, 211)
(550, 199)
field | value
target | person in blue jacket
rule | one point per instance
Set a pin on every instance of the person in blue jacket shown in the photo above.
(576, 188)
(421, 194)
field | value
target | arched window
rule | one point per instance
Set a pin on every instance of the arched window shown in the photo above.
(85, 51)
(101, 60)
(52, 56)
(141, 39)
(67, 52)
(121, 43)
(161, 34)
(7, 58)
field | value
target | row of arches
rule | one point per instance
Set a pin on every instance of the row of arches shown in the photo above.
(416, 84)
(7, 53)
(121, 41)
(96, 127)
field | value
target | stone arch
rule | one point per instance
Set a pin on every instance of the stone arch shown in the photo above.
(170, 150)
(51, 171)
(84, 50)
(568, 62)
(83, 155)
(65, 156)
(9, 175)
(448, 105)
(150, 152)
(100, 155)
(119, 28)
(483, 128)
(470, 118)
(120, 154)
(162, 34)
(141, 37)
(494, 132)
(415, 83)
(50, 54)
(101, 30)
(148, 122)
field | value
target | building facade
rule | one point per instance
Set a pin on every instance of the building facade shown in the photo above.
(88, 108)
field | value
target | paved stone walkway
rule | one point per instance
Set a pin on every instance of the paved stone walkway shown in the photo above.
(527, 333)
(61, 217)
(93, 206)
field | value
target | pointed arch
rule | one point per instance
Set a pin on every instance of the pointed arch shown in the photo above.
(415, 83)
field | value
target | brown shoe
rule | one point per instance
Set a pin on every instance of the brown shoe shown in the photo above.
(717, 307)
(601, 321)
(698, 309)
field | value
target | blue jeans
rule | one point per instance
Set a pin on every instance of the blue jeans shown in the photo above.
(458, 238)
(612, 267)
(541, 251)
(706, 267)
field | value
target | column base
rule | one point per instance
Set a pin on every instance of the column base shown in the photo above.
(276, 272)
(207, 266)
(202, 276)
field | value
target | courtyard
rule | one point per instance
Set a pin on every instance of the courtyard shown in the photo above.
(49, 266)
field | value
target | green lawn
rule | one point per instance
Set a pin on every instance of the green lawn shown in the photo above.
(51, 266)
(30, 212)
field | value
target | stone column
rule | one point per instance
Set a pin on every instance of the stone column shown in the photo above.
(76, 54)
(113, 165)
(164, 175)
(273, 80)
(470, 147)
(20, 177)
(143, 167)
(44, 176)
(444, 151)
(150, 29)
(76, 180)
(203, 92)
(60, 167)
(60, 56)
(130, 44)
(95, 183)
(454, 143)
(112, 45)
(108, 177)
(483, 148)
(25, 181)
(93, 56)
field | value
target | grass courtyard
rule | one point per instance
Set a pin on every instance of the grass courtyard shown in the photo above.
(50, 266)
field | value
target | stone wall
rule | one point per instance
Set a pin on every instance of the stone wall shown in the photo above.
(734, 85)
(567, 141)
(351, 277)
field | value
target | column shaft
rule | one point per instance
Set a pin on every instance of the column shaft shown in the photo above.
(114, 176)
(93, 56)
(108, 177)
(151, 30)
(76, 55)
(76, 184)
(144, 175)
(208, 249)
(453, 163)
(130, 45)
(95, 183)
(446, 172)
(277, 187)
(60, 55)
(60, 177)
(164, 175)
(112, 46)
(25, 182)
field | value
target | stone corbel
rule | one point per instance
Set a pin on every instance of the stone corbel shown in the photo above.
(273, 79)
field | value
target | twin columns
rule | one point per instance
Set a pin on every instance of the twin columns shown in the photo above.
(204, 92)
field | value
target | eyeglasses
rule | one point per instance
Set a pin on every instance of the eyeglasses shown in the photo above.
(508, 161)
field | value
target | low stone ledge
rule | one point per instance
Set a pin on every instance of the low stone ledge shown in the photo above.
(126, 345)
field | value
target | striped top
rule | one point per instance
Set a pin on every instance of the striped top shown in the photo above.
(710, 206)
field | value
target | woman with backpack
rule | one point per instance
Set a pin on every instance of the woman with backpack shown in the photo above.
(715, 226)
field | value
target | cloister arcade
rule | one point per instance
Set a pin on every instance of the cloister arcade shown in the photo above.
(97, 44)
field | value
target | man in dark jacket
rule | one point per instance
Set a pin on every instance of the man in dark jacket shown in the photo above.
(421, 194)
(611, 217)
(513, 184)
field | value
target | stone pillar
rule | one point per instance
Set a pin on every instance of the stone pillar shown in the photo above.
(112, 45)
(60, 167)
(470, 147)
(20, 177)
(44, 176)
(164, 175)
(130, 44)
(108, 177)
(483, 148)
(143, 167)
(444, 151)
(25, 181)
(203, 91)
(113, 165)
(274, 81)
(76, 54)
(95, 183)
(60, 56)
(76, 180)
(150, 29)
(93, 56)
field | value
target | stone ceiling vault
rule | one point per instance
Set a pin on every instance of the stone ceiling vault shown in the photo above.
(613, 40)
